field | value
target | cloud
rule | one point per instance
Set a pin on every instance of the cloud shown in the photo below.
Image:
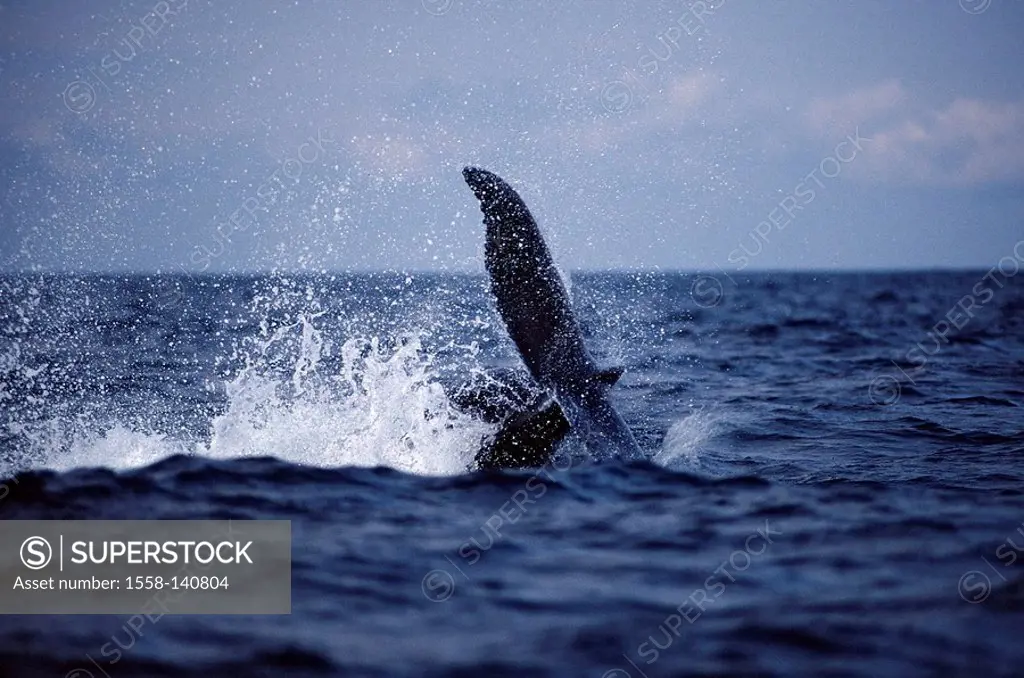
(636, 110)
(967, 142)
(840, 115)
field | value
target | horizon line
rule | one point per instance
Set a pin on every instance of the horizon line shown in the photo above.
(481, 272)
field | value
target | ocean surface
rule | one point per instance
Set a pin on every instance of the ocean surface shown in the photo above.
(832, 480)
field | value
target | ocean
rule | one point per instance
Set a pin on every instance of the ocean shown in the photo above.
(832, 479)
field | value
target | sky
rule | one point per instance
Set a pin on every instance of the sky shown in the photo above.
(198, 136)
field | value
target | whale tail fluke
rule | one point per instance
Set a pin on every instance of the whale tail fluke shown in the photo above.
(609, 376)
(537, 312)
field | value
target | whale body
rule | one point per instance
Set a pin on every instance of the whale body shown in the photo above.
(530, 422)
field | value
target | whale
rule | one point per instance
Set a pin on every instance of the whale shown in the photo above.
(538, 315)
(530, 423)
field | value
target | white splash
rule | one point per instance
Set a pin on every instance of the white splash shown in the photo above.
(382, 407)
(682, 446)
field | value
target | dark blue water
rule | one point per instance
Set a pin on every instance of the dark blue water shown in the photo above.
(831, 485)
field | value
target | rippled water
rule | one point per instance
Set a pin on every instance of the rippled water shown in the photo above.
(832, 479)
